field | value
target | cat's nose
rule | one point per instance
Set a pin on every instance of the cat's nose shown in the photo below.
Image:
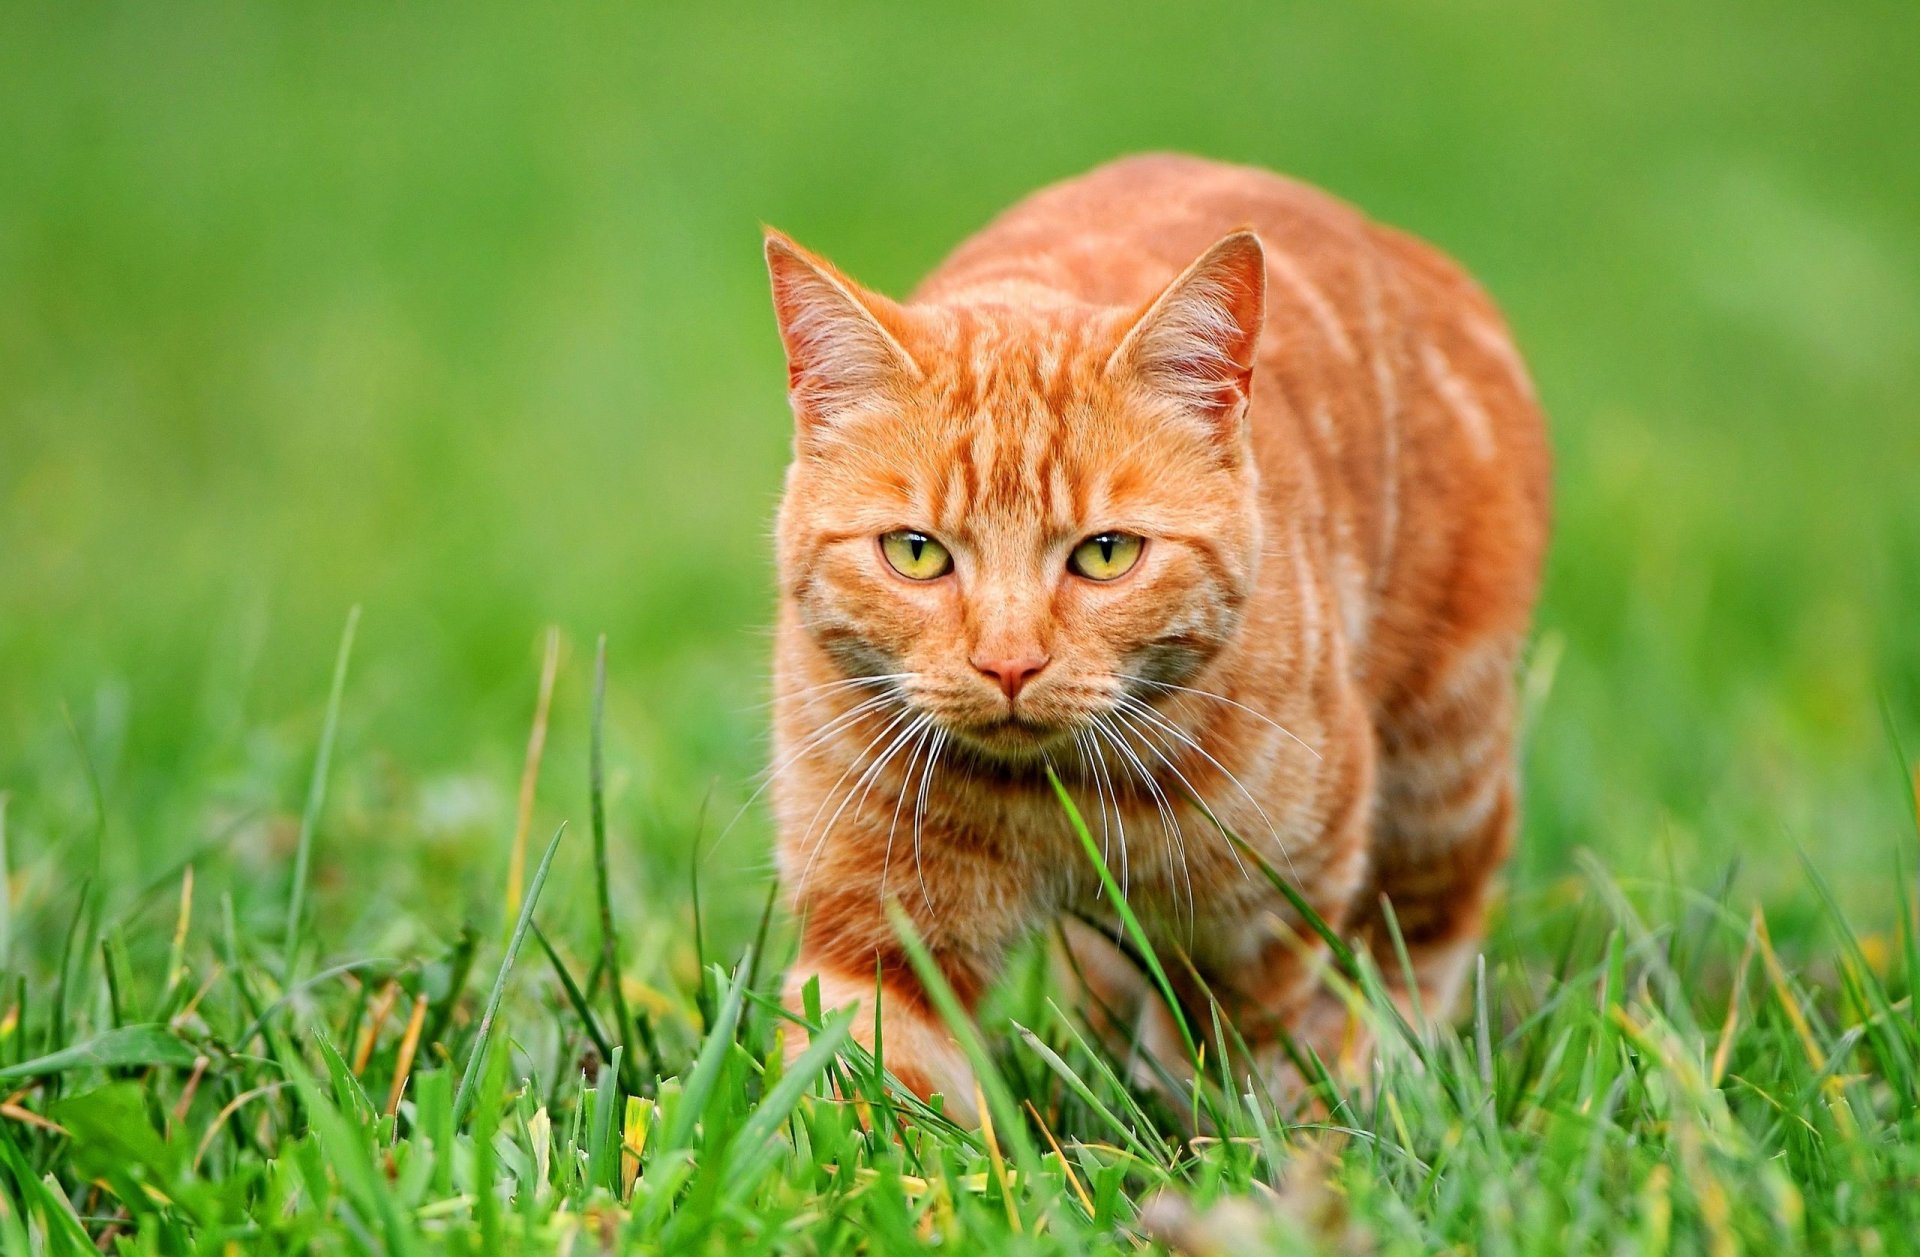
(1011, 674)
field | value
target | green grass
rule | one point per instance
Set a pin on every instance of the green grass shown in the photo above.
(457, 316)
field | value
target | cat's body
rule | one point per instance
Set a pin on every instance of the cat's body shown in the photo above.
(1343, 500)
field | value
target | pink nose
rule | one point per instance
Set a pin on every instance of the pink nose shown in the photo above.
(1012, 675)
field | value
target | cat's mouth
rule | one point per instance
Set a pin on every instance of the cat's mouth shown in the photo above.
(1012, 736)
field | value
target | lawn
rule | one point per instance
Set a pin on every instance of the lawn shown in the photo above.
(363, 369)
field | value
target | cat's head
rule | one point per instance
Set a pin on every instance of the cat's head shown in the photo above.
(1021, 514)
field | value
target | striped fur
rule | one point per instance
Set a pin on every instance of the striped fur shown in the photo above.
(1325, 435)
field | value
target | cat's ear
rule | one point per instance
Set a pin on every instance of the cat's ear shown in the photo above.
(842, 347)
(1195, 342)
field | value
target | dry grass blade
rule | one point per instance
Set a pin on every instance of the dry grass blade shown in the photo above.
(530, 776)
(403, 1062)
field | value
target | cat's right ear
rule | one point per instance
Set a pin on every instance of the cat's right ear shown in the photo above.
(843, 350)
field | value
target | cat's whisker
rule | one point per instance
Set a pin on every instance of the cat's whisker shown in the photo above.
(855, 762)
(808, 693)
(1161, 747)
(887, 680)
(1169, 824)
(919, 813)
(863, 786)
(906, 783)
(1092, 779)
(1103, 789)
(913, 725)
(1119, 815)
(866, 791)
(836, 725)
(1222, 698)
(1155, 717)
(826, 731)
(918, 733)
(1139, 770)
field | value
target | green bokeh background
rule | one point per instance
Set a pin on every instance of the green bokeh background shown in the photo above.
(457, 312)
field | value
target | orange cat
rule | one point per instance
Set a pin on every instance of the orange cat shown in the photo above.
(1263, 528)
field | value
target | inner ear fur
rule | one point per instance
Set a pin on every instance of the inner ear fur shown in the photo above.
(842, 345)
(1195, 342)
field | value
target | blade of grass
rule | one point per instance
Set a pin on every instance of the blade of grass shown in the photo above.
(693, 893)
(116, 1015)
(597, 804)
(477, 1054)
(6, 891)
(57, 1015)
(1128, 919)
(459, 966)
(95, 790)
(177, 949)
(1909, 769)
(316, 800)
(575, 997)
(348, 1154)
(760, 936)
(141, 1045)
(1114, 1083)
(602, 1158)
(707, 1066)
(319, 979)
(960, 1024)
(530, 778)
(403, 1060)
(754, 1139)
(1078, 1085)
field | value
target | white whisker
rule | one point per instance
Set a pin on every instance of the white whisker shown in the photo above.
(1221, 698)
(1169, 824)
(913, 726)
(906, 783)
(839, 723)
(1160, 746)
(826, 731)
(1119, 816)
(919, 813)
(809, 693)
(1099, 797)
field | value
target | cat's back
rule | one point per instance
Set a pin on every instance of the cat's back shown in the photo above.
(1388, 391)
(1116, 234)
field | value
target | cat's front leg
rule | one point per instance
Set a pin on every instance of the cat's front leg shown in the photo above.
(849, 946)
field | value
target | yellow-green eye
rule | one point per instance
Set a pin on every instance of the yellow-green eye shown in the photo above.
(1106, 556)
(915, 555)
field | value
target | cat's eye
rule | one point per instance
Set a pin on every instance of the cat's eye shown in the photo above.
(915, 555)
(1106, 556)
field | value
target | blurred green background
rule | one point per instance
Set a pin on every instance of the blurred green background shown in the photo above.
(457, 312)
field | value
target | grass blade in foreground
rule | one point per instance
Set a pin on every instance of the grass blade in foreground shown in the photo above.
(127, 1047)
(597, 815)
(316, 799)
(1132, 923)
(1003, 1108)
(476, 1056)
(707, 1066)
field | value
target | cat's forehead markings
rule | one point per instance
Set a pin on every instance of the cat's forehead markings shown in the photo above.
(998, 472)
(1009, 386)
(1012, 291)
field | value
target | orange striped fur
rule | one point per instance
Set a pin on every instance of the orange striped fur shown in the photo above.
(1332, 450)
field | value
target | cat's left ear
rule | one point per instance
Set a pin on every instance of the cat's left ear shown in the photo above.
(1195, 343)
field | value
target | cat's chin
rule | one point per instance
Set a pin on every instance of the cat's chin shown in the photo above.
(1011, 739)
